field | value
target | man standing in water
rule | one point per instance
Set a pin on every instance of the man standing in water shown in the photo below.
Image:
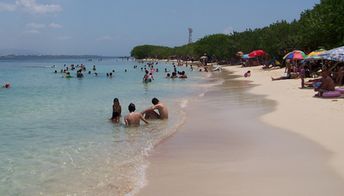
(133, 118)
(157, 105)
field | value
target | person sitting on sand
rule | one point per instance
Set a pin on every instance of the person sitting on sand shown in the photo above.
(326, 84)
(339, 76)
(288, 76)
(157, 105)
(247, 74)
(116, 111)
(133, 118)
(168, 75)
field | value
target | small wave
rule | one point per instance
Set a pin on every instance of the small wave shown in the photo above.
(147, 149)
(141, 182)
(184, 103)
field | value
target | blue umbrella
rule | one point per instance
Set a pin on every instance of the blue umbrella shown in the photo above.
(336, 54)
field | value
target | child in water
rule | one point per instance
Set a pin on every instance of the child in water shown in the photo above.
(116, 111)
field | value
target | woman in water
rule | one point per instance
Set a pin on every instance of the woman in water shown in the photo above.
(116, 111)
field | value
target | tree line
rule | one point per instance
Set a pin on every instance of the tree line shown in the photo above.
(319, 27)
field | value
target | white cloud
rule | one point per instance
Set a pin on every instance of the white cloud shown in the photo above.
(35, 25)
(31, 6)
(55, 26)
(34, 7)
(32, 31)
(104, 38)
(7, 7)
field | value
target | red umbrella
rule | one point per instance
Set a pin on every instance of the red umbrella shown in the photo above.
(257, 53)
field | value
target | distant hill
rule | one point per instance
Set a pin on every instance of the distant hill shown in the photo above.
(7, 52)
(44, 57)
(18, 54)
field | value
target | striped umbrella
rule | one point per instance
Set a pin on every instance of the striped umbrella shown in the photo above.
(295, 55)
(336, 54)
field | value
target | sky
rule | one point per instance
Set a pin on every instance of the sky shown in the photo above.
(114, 27)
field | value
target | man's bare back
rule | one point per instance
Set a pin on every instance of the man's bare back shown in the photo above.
(133, 118)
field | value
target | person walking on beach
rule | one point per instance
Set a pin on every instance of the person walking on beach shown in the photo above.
(133, 118)
(116, 111)
(157, 105)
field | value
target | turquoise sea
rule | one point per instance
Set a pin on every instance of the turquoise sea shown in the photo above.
(55, 136)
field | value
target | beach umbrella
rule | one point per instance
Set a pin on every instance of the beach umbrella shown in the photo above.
(203, 57)
(245, 56)
(295, 55)
(336, 54)
(315, 54)
(257, 53)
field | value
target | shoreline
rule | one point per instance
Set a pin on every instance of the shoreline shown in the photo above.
(273, 161)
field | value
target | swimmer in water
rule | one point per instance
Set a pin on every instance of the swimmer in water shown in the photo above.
(7, 85)
(116, 111)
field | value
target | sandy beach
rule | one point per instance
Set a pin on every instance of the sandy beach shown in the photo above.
(252, 137)
(319, 120)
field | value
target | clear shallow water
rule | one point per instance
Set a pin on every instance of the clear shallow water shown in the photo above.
(55, 137)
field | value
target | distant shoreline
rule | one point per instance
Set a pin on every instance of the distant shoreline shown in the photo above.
(29, 57)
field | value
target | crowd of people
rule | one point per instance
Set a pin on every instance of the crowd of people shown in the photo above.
(324, 75)
(157, 111)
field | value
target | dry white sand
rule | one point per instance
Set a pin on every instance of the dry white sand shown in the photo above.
(321, 120)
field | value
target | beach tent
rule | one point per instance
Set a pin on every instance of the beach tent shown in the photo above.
(336, 54)
(295, 55)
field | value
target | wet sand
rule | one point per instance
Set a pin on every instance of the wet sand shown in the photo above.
(224, 149)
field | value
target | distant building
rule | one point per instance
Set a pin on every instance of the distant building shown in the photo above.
(190, 35)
